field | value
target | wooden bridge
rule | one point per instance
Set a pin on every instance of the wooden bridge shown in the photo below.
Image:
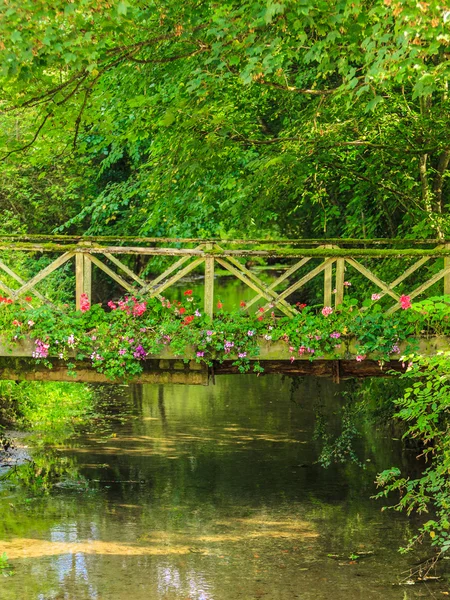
(316, 270)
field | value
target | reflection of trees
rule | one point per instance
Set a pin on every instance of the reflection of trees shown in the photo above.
(226, 470)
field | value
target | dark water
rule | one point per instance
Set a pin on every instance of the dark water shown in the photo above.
(191, 493)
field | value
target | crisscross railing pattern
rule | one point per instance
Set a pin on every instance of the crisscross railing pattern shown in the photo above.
(301, 262)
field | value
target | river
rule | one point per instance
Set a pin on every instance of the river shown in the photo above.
(208, 493)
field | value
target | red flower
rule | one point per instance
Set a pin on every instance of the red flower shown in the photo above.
(16, 323)
(219, 305)
(260, 318)
(182, 310)
(261, 309)
(300, 306)
(405, 302)
(188, 293)
(242, 304)
(28, 298)
(188, 319)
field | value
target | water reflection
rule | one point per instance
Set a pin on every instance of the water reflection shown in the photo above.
(207, 494)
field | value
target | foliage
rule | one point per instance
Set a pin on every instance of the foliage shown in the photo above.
(424, 408)
(180, 118)
(5, 568)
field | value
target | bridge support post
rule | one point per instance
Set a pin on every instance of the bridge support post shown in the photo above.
(209, 284)
(340, 275)
(447, 277)
(327, 282)
(83, 277)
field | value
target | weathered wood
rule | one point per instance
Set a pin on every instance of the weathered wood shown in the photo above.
(117, 278)
(447, 277)
(193, 265)
(408, 272)
(137, 239)
(19, 279)
(251, 284)
(376, 280)
(348, 369)
(176, 265)
(260, 284)
(327, 282)
(83, 278)
(44, 273)
(209, 285)
(125, 269)
(340, 277)
(434, 279)
(280, 279)
(305, 279)
(269, 253)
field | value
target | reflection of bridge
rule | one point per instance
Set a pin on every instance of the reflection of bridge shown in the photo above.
(297, 264)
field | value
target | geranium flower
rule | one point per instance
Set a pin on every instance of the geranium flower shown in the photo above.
(242, 304)
(405, 302)
(327, 310)
(219, 305)
(188, 293)
(376, 297)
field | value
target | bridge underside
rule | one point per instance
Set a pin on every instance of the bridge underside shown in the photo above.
(166, 371)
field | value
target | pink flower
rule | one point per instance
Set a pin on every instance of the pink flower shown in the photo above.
(301, 350)
(405, 302)
(292, 359)
(376, 297)
(200, 354)
(139, 308)
(347, 283)
(85, 305)
(360, 357)
(327, 310)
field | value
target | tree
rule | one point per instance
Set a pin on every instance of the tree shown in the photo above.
(295, 117)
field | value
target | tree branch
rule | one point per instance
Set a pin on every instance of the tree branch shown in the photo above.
(289, 88)
(22, 148)
(343, 144)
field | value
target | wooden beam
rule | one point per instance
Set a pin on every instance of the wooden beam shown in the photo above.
(176, 265)
(340, 277)
(19, 279)
(376, 280)
(447, 277)
(435, 278)
(44, 273)
(327, 282)
(193, 265)
(209, 285)
(117, 278)
(305, 279)
(251, 284)
(260, 284)
(282, 278)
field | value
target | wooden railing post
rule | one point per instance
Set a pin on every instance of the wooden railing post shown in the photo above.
(327, 282)
(340, 276)
(209, 283)
(83, 277)
(447, 277)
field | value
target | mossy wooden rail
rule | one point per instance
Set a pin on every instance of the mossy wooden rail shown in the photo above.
(333, 260)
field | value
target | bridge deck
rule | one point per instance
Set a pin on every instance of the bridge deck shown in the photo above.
(17, 363)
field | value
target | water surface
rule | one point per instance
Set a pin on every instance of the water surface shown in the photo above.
(208, 494)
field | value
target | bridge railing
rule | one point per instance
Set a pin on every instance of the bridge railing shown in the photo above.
(417, 266)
